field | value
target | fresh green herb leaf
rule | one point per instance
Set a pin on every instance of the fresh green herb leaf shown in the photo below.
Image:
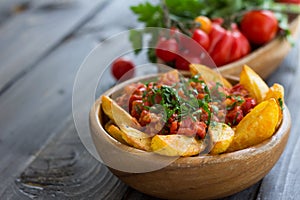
(136, 39)
(151, 15)
(196, 79)
(151, 55)
(238, 100)
(281, 103)
(231, 106)
(186, 8)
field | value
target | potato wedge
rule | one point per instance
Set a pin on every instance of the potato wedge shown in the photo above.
(170, 77)
(221, 136)
(256, 126)
(127, 125)
(136, 138)
(254, 84)
(114, 131)
(117, 114)
(176, 145)
(208, 74)
(277, 92)
(130, 136)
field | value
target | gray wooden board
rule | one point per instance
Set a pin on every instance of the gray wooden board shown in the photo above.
(29, 36)
(7, 8)
(283, 182)
(65, 170)
(35, 106)
(113, 23)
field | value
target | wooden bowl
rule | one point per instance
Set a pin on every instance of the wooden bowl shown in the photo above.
(199, 177)
(265, 59)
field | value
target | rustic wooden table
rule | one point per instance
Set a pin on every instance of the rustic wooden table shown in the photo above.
(42, 44)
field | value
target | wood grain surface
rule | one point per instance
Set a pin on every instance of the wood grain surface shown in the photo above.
(26, 38)
(284, 176)
(65, 170)
(28, 120)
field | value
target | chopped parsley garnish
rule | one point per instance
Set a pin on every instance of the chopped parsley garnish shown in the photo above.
(281, 103)
(238, 100)
(186, 105)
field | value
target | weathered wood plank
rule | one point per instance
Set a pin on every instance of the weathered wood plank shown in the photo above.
(65, 170)
(284, 179)
(34, 107)
(29, 36)
(9, 8)
(49, 102)
(285, 74)
(113, 23)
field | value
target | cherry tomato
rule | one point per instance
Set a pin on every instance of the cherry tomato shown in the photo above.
(201, 38)
(218, 20)
(184, 60)
(188, 45)
(259, 26)
(248, 105)
(240, 44)
(234, 116)
(236, 48)
(215, 36)
(205, 23)
(121, 66)
(174, 31)
(166, 49)
(222, 51)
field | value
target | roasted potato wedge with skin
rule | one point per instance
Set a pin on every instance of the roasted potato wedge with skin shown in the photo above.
(176, 145)
(114, 131)
(253, 83)
(208, 74)
(277, 92)
(136, 138)
(256, 126)
(170, 77)
(117, 114)
(221, 135)
(127, 125)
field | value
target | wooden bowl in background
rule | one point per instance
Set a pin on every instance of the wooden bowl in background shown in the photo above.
(199, 177)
